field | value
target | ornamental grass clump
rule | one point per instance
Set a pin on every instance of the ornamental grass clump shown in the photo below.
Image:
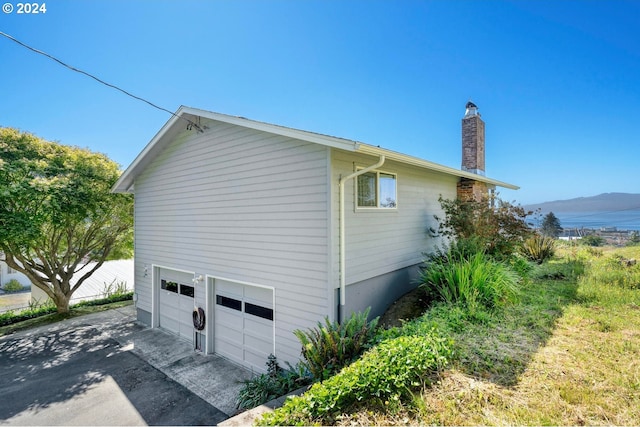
(538, 248)
(474, 281)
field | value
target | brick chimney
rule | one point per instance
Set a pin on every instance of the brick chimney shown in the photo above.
(472, 154)
(472, 140)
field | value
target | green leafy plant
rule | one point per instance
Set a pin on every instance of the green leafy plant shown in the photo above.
(498, 227)
(592, 240)
(332, 345)
(538, 248)
(388, 372)
(275, 383)
(475, 281)
(13, 286)
(38, 309)
(59, 219)
(35, 310)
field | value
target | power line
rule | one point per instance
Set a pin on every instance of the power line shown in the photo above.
(191, 123)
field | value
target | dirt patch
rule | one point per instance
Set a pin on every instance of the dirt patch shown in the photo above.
(407, 307)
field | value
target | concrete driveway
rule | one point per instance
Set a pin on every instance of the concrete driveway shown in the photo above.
(107, 369)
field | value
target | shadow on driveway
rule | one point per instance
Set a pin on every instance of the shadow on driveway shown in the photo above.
(79, 375)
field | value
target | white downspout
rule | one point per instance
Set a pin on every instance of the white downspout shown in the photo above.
(341, 220)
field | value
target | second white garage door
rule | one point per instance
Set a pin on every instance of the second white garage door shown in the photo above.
(244, 323)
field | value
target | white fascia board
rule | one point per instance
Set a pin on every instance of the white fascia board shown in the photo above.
(125, 183)
(415, 161)
(330, 141)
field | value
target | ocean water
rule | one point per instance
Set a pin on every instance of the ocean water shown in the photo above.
(623, 220)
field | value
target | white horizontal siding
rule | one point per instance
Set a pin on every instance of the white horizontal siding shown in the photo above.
(380, 241)
(243, 205)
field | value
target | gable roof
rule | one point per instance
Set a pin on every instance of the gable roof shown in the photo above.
(189, 116)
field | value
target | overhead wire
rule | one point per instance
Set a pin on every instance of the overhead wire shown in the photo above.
(53, 58)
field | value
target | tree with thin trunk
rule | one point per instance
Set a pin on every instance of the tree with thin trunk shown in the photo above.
(58, 217)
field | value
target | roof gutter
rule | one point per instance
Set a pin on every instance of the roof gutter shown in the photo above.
(341, 220)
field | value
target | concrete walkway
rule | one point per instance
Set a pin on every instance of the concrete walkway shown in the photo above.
(211, 377)
(107, 360)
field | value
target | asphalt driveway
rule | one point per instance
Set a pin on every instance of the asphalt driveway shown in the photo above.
(85, 372)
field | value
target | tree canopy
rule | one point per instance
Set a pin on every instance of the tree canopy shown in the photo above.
(58, 217)
(550, 225)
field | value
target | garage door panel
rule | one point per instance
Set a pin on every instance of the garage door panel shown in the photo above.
(176, 304)
(258, 295)
(224, 287)
(258, 344)
(229, 335)
(258, 328)
(255, 360)
(170, 325)
(244, 323)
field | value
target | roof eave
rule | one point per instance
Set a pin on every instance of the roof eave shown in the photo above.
(403, 158)
(126, 180)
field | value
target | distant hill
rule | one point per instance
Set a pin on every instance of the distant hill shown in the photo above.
(600, 203)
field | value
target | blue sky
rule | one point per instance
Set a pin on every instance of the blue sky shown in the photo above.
(557, 82)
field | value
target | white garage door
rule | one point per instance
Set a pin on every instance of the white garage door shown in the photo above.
(176, 308)
(244, 323)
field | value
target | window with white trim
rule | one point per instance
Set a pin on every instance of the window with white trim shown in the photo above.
(376, 190)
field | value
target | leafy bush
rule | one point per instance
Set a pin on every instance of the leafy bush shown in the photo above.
(275, 383)
(592, 240)
(473, 282)
(13, 286)
(538, 248)
(387, 372)
(499, 229)
(329, 347)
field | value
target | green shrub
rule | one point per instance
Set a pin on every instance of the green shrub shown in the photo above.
(332, 345)
(275, 383)
(116, 297)
(11, 317)
(13, 286)
(37, 310)
(592, 240)
(473, 282)
(498, 226)
(388, 372)
(538, 248)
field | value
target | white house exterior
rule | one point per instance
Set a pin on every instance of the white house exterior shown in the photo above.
(243, 219)
(111, 274)
(7, 274)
